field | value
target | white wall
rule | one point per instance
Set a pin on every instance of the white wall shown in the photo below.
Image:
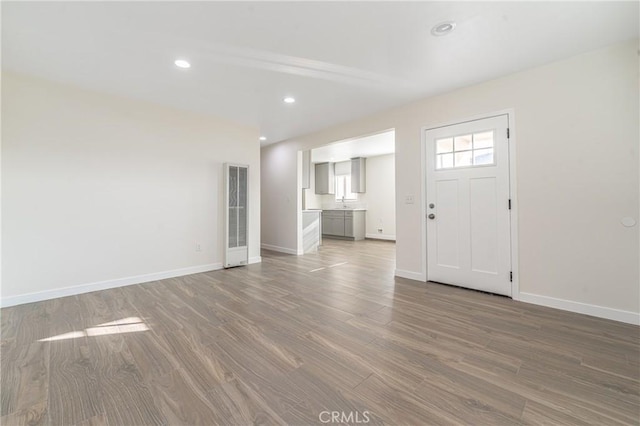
(98, 188)
(577, 132)
(278, 166)
(380, 197)
(313, 200)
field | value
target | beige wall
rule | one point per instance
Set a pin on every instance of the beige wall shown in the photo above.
(576, 131)
(98, 188)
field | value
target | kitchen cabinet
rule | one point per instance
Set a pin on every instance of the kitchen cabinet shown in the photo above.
(333, 223)
(347, 224)
(325, 179)
(306, 169)
(354, 224)
(359, 175)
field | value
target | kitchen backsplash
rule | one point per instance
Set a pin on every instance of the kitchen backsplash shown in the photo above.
(351, 204)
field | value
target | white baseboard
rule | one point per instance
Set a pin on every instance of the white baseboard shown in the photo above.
(582, 308)
(418, 276)
(279, 249)
(256, 259)
(381, 237)
(104, 285)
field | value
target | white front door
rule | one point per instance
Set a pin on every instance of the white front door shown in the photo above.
(468, 206)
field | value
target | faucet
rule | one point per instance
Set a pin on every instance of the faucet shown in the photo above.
(344, 205)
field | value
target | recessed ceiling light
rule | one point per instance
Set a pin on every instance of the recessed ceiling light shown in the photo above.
(263, 138)
(181, 63)
(443, 28)
(289, 100)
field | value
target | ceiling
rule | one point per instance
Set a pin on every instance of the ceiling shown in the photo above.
(340, 60)
(367, 146)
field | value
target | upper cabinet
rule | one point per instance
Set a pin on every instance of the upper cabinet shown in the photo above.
(306, 169)
(358, 175)
(325, 179)
(326, 172)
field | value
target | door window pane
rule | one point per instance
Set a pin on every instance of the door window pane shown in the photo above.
(483, 140)
(483, 156)
(444, 161)
(463, 159)
(465, 151)
(444, 145)
(462, 143)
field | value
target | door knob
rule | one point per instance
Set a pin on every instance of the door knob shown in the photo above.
(431, 205)
(432, 216)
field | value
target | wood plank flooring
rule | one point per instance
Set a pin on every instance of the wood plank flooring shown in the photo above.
(292, 339)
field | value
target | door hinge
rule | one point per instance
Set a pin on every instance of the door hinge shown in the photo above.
(509, 203)
(508, 133)
(511, 276)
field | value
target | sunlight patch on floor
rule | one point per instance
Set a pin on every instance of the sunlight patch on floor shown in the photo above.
(125, 325)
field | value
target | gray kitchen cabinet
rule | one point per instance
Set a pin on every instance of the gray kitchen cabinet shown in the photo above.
(306, 169)
(346, 224)
(359, 175)
(325, 179)
(333, 223)
(354, 224)
(326, 224)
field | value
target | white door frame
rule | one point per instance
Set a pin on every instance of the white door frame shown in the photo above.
(515, 287)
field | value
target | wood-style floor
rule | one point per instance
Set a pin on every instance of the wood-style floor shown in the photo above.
(284, 341)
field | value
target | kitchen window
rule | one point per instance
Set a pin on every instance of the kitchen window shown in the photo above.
(343, 188)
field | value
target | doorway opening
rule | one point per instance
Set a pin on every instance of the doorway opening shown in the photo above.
(348, 191)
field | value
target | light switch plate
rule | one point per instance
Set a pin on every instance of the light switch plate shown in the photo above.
(408, 199)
